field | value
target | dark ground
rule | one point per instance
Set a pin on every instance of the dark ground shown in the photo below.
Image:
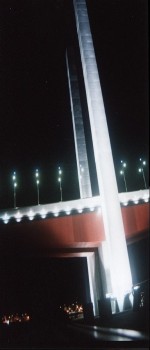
(61, 333)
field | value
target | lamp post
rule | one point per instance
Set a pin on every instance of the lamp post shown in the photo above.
(37, 184)
(14, 185)
(122, 172)
(141, 170)
(60, 181)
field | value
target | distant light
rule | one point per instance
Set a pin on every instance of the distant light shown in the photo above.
(37, 181)
(121, 172)
(136, 287)
(59, 179)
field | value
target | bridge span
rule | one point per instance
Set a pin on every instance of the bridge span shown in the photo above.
(69, 229)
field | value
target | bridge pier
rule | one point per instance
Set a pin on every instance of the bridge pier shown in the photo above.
(115, 256)
(96, 280)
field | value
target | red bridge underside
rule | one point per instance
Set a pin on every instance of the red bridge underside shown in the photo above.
(66, 236)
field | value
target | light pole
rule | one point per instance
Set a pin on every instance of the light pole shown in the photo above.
(37, 184)
(14, 185)
(141, 170)
(122, 172)
(60, 181)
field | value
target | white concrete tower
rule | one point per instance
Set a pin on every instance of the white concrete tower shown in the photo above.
(78, 127)
(114, 252)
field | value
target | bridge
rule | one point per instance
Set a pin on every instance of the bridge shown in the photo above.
(95, 227)
(72, 228)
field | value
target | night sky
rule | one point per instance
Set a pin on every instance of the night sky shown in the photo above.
(36, 124)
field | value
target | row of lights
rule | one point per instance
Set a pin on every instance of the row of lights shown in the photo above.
(37, 177)
(43, 213)
(140, 170)
(15, 318)
(56, 212)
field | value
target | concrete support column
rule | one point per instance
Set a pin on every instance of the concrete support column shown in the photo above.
(78, 127)
(94, 274)
(115, 250)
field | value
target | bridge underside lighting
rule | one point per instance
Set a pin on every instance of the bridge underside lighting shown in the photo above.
(43, 214)
(80, 210)
(72, 207)
(31, 215)
(6, 219)
(92, 209)
(68, 212)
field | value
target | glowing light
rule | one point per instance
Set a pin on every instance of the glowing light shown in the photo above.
(31, 215)
(59, 171)
(15, 185)
(136, 287)
(141, 170)
(6, 218)
(80, 210)
(60, 182)
(37, 183)
(18, 216)
(146, 198)
(43, 213)
(122, 172)
(68, 211)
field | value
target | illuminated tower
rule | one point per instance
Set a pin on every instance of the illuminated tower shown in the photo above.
(114, 252)
(78, 127)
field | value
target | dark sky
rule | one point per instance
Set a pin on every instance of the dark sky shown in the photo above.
(36, 126)
(35, 117)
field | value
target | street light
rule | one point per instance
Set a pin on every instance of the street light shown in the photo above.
(60, 181)
(122, 172)
(37, 184)
(14, 185)
(141, 170)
